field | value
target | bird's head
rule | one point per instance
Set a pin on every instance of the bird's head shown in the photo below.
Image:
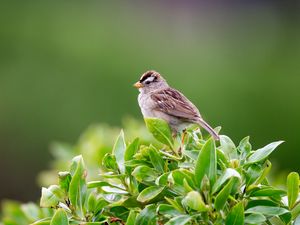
(150, 81)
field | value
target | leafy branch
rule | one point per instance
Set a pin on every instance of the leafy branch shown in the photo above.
(143, 184)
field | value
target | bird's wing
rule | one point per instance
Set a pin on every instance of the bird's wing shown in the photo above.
(172, 102)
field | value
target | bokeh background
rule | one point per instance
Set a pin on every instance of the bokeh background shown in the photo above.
(67, 64)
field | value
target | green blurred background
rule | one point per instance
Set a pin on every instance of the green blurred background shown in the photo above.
(66, 65)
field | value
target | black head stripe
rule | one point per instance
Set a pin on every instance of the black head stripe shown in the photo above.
(147, 75)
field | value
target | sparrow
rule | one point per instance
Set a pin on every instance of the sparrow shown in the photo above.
(157, 99)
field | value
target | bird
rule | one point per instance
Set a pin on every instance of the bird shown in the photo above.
(157, 99)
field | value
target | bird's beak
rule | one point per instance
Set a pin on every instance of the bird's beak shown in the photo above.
(138, 85)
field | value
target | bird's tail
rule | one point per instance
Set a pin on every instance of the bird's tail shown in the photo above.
(209, 129)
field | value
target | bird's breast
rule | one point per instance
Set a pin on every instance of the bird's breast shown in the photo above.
(147, 105)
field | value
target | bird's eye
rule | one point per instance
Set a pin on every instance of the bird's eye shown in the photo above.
(148, 82)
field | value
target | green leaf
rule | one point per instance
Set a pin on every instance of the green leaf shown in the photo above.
(92, 202)
(179, 220)
(263, 153)
(119, 211)
(78, 187)
(137, 162)
(228, 147)
(147, 216)
(267, 210)
(244, 148)
(161, 130)
(64, 180)
(292, 184)
(167, 210)
(100, 204)
(276, 221)
(131, 149)
(149, 193)
(265, 172)
(252, 174)
(41, 222)
(57, 191)
(119, 151)
(100, 184)
(206, 163)
(132, 202)
(187, 186)
(222, 159)
(10, 210)
(297, 221)
(156, 159)
(205, 185)
(131, 218)
(96, 184)
(109, 162)
(114, 190)
(296, 211)
(236, 215)
(48, 199)
(228, 173)
(176, 179)
(244, 145)
(286, 218)
(255, 218)
(267, 191)
(60, 218)
(94, 223)
(261, 202)
(31, 211)
(192, 154)
(113, 176)
(175, 204)
(144, 174)
(223, 195)
(162, 179)
(194, 201)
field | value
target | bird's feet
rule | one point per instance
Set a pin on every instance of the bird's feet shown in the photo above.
(182, 140)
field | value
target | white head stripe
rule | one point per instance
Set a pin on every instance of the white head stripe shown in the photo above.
(150, 79)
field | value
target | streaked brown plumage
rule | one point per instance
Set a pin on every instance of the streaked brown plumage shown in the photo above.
(157, 99)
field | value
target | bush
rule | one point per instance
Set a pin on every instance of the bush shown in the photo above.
(171, 182)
